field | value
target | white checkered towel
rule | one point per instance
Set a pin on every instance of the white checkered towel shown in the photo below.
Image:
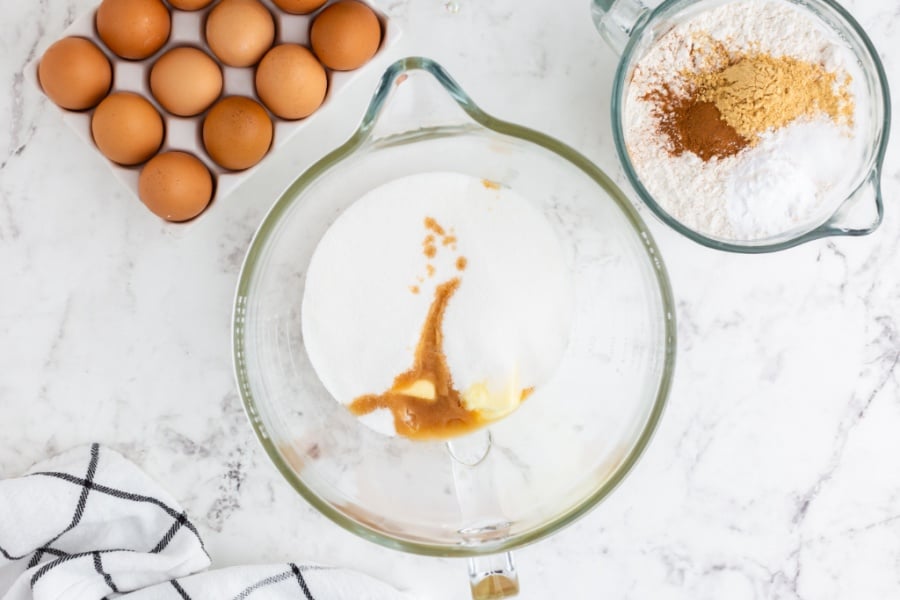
(89, 524)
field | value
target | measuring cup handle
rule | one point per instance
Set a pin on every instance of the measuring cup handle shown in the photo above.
(493, 577)
(616, 19)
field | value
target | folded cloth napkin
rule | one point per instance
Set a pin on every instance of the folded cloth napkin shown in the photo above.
(89, 524)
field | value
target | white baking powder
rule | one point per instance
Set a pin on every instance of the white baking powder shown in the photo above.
(795, 177)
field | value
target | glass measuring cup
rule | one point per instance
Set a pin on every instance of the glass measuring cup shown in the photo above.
(527, 475)
(630, 28)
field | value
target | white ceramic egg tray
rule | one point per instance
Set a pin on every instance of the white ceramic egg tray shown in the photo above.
(186, 133)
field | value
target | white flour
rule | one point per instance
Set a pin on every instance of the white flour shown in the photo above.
(509, 321)
(795, 177)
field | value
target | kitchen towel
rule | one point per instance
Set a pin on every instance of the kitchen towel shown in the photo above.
(89, 524)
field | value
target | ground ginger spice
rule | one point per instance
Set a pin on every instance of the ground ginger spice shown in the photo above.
(760, 92)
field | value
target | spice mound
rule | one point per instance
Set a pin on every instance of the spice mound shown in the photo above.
(435, 305)
(741, 121)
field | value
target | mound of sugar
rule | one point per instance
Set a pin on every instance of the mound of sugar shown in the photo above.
(372, 280)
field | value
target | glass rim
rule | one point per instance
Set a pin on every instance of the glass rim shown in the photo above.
(874, 168)
(362, 135)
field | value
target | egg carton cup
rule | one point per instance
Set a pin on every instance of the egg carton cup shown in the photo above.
(185, 133)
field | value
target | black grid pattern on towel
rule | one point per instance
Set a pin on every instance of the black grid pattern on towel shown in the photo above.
(299, 575)
(180, 590)
(293, 572)
(88, 486)
(76, 517)
(98, 566)
(46, 568)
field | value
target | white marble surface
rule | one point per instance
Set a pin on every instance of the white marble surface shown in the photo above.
(774, 473)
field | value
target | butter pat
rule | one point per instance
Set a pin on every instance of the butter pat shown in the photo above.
(422, 389)
(493, 404)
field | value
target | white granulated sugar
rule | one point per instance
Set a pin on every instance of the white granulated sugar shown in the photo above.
(794, 178)
(509, 319)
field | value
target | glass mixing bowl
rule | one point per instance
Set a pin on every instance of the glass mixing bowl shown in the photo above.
(631, 28)
(526, 475)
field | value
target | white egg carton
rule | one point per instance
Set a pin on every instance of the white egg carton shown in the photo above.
(185, 133)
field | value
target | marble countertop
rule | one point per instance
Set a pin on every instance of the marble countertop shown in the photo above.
(773, 475)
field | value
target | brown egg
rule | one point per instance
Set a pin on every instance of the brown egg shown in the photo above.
(133, 29)
(186, 81)
(74, 73)
(240, 31)
(126, 128)
(291, 82)
(190, 4)
(299, 7)
(237, 132)
(345, 35)
(175, 186)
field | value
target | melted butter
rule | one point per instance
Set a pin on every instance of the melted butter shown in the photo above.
(492, 405)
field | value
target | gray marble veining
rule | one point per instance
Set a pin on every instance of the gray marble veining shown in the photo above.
(773, 475)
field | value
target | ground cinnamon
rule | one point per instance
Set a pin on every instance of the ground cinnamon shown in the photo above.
(695, 125)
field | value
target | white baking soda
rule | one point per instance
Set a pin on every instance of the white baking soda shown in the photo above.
(795, 177)
(368, 289)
